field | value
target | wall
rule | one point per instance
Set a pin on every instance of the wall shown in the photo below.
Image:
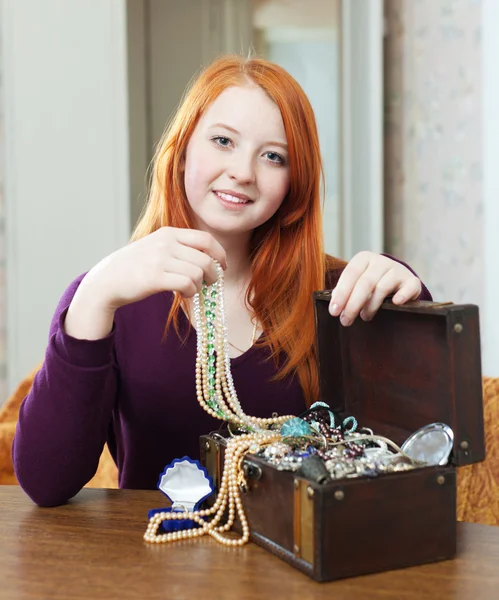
(441, 130)
(3, 308)
(433, 142)
(66, 185)
(490, 127)
(295, 13)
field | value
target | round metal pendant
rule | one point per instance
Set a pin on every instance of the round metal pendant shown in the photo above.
(431, 444)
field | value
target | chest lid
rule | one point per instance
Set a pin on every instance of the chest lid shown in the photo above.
(410, 366)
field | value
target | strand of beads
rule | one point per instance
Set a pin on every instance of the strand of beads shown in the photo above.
(210, 366)
(228, 494)
(214, 383)
(205, 369)
(217, 395)
(227, 381)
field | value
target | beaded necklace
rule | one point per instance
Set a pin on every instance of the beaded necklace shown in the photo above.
(217, 395)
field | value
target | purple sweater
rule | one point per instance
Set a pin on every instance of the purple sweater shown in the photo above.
(133, 391)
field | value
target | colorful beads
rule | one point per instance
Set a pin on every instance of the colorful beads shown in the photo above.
(213, 382)
(347, 422)
(295, 427)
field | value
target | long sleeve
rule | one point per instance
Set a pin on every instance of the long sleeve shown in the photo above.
(63, 422)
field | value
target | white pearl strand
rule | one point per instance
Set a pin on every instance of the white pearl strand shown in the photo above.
(229, 410)
(228, 494)
(237, 447)
(224, 369)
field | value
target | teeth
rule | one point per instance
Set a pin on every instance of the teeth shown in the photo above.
(230, 198)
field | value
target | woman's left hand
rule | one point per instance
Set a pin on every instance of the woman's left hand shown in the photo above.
(366, 281)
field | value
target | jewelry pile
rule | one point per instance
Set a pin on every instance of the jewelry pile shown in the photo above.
(313, 444)
(344, 450)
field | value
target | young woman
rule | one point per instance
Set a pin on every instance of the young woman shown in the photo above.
(237, 179)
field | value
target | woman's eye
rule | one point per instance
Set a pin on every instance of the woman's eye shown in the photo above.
(275, 158)
(220, 140)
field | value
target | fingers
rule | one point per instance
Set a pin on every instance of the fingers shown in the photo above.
(384, 288)
(347, 281)
(183, 277)
(198, 258)
(409, 290)
(180, 283)
(372, 286)
(185, 258)
(366, 282)
(203, 241)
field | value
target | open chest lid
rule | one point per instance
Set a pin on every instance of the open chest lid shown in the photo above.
(410, 366)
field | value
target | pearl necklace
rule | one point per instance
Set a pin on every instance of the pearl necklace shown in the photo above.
(217, 395)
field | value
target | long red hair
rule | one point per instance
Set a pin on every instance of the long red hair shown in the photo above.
(287, 254)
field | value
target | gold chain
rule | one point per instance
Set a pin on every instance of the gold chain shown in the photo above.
(252, 341)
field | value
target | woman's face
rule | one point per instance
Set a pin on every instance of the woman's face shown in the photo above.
(237, 164)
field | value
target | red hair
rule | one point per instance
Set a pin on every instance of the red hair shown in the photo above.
(287, 255)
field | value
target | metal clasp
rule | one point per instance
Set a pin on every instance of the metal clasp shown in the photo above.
(252, 470)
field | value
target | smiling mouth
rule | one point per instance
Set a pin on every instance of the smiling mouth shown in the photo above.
(232, 199)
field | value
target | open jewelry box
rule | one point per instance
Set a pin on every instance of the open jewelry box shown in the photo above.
(409, 367)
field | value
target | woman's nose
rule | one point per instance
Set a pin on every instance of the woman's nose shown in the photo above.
(242, 169)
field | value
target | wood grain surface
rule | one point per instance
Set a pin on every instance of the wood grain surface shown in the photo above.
(92, 548)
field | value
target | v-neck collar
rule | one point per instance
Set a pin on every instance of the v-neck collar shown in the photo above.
(192, 340)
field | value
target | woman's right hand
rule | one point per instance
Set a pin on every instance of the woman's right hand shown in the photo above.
(169, 259)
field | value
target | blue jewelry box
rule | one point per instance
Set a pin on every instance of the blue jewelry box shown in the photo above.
(186, 484)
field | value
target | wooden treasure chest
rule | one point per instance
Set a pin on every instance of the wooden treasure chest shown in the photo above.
(410, 367)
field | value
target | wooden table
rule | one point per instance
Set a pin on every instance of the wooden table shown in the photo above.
(92, 548)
